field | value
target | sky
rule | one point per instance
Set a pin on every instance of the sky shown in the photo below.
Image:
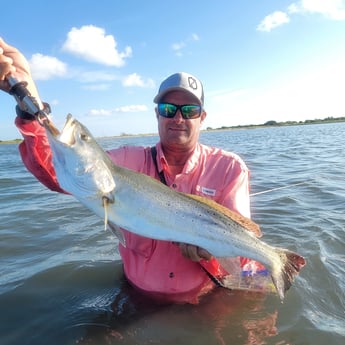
(103, 61)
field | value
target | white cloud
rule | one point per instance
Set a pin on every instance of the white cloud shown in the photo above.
(123, 109)
(44, 67)
(332, 9)
(195, 37)
(273, 20)
(135, 79)
(293, 8)
(131, 108)
(92, 44)
(177, 47)
(100, 112)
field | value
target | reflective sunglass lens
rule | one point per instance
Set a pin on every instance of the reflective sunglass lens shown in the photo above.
(167, 110)
(190, 111)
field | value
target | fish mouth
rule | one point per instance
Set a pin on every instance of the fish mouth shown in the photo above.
(66, 136)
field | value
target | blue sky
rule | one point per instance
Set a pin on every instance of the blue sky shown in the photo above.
(103, 61)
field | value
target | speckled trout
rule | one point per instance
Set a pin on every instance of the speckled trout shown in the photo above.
(145, 206)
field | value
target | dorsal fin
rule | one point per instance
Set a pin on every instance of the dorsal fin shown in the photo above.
(236, 217)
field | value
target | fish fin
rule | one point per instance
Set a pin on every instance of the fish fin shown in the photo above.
(236, 217)
(117, 231)
(284, 275)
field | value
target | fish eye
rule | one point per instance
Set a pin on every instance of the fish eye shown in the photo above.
(84, 137)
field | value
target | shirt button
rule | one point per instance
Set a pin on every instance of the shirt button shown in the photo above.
(174, 185)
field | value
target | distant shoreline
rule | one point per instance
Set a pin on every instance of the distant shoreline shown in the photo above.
(14, 141)
(209, 129)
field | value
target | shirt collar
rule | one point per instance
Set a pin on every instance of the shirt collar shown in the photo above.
(190, 165)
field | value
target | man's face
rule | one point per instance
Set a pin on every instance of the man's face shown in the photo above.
(178, 132)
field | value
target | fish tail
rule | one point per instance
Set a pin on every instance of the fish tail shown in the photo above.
(283, 274)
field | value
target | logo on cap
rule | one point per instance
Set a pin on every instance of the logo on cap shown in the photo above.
(192, 83)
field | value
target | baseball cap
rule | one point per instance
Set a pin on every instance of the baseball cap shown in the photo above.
(181, 81)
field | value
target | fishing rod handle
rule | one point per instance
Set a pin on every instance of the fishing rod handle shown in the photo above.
(20, 91)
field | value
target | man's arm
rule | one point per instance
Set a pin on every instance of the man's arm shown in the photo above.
(36, 153)
(35, 150)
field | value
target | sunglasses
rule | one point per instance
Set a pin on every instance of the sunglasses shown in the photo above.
(188, 111)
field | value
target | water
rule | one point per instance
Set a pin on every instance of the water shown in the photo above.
(61, 277)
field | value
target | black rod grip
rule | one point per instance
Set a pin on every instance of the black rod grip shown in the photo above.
(19, 90)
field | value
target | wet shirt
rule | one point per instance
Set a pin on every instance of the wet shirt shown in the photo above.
(158, 267)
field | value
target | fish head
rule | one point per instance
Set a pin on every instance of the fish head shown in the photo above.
(82, 167)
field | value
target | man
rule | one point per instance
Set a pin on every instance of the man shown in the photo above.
(168, 271)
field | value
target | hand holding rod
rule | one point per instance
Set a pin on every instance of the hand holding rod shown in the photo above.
(20, 91)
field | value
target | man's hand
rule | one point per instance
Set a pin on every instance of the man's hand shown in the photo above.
(194, 253)
(13, 62)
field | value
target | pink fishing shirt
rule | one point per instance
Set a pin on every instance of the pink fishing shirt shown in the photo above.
(158, 267)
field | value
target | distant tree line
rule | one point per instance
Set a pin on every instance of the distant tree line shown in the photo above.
(273, 123)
